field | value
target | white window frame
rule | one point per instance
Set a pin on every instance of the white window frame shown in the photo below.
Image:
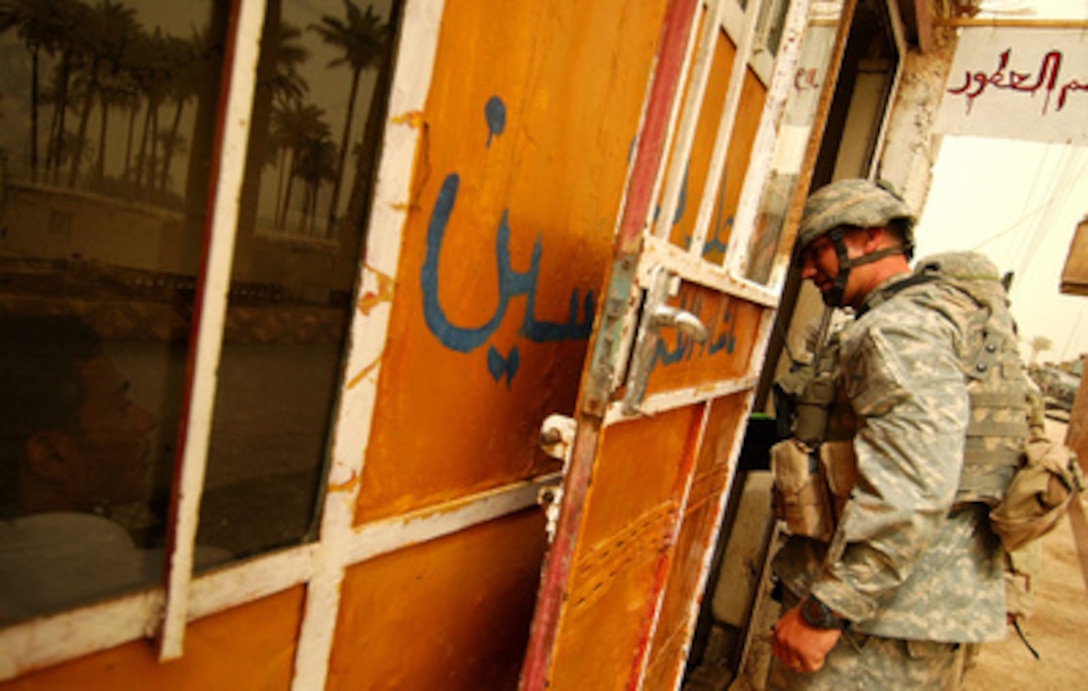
(742, 27)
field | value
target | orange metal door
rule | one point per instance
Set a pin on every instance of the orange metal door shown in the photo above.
(672, 364)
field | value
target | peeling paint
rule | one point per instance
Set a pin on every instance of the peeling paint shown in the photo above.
(363, 372)
(413, 118)
(345, 486)
(373, 298)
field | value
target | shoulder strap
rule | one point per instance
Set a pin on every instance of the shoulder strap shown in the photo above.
(894, 289)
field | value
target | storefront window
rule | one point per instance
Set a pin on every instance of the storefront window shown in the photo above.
(106, 162)
(322, 82)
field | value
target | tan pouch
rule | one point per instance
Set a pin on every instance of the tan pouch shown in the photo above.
(841, 467)
(801, 498)
(1021, 571)
(1038, 495)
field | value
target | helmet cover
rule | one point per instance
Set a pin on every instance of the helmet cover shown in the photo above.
(855, 202)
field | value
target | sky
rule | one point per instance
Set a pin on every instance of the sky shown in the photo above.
(1019, 203)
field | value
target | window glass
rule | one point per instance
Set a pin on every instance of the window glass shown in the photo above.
(322, 81)
(772, 21)
(108, 110)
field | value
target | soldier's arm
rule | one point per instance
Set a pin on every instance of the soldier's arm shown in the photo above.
(904, 379)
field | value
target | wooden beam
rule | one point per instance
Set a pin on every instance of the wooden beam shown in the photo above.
(1012, 23)
(1075, 271)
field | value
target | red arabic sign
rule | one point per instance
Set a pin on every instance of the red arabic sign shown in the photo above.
(1018, 84)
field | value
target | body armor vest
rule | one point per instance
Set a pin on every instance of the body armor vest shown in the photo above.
(997, 386)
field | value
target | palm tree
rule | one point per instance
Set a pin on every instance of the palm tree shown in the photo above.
(286, 84)
(358, 206)
(315, 163)
(152, 73)
(72, 147)
(361, 37)
(295, 126)
(278, 84)
(175, 144)
(1039, 344)
(110, 27)
(73, 38)
(183, 85)
(283, 89)
(114, 92)
(39, 24)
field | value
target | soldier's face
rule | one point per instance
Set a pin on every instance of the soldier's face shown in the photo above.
(820, 264)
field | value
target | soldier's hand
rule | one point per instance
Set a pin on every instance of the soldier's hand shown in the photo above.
(799, 646)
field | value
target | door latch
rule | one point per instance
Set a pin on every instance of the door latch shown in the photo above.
(656, 316)
(556, 440)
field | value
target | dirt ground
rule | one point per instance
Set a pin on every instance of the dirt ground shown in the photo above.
(1056, 629)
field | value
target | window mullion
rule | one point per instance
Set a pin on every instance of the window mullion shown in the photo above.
(700, 68)
(744, 45)
(228, 168)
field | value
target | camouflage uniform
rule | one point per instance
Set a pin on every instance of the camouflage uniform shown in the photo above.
(915, 573)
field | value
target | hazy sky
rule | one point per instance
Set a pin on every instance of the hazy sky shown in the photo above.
(1019, 202)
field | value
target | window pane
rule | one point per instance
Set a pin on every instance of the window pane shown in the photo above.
(772, 22)
(108, 111)
(322, 82)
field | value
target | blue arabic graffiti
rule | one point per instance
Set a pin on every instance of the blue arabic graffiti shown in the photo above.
(495, 115)
(721, 325)
(511, 283)
(681, 204)
(715, 244)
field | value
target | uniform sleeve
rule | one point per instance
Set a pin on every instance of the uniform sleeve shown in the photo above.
(904, 381)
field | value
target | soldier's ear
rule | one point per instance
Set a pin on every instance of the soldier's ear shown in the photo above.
(48, 453)
(875, 238)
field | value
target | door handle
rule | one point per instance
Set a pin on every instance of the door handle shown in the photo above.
(684, 321)
(657, 315)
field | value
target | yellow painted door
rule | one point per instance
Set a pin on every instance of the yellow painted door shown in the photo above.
(673, 360)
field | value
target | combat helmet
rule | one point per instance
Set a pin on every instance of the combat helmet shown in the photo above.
(854, 203)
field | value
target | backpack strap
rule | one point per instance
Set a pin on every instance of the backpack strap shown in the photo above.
(888, 292)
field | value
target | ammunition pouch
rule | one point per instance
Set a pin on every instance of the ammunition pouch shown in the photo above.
(800, 491)
(811, 489)
(1021, 571)
(1041, 490)
(841, 466)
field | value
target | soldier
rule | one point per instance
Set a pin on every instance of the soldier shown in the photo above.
(908, 571)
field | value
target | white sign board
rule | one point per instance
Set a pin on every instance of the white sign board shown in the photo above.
(1018, 83)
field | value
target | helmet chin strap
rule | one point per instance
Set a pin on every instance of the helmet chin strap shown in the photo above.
(834, 297)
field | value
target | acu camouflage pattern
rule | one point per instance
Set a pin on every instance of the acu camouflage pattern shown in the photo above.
(997, 388)
(865, 663)
(857, 202)
(907, 561)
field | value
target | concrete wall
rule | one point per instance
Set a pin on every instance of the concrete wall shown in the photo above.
(910, 148)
